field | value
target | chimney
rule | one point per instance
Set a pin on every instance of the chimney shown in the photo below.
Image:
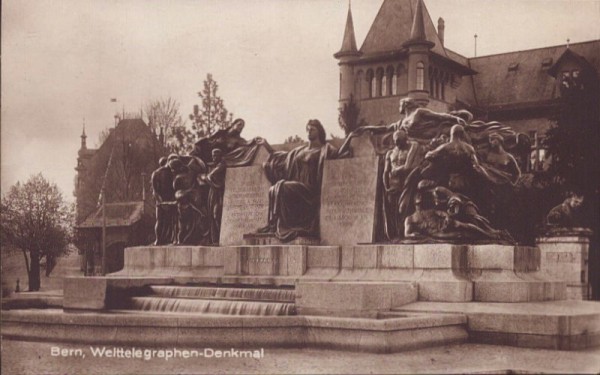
(441, 28)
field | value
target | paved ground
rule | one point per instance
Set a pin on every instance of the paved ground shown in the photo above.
(35, 358)
(13, 268)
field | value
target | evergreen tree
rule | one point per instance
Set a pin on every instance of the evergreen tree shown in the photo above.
(212, 114)
(348, 118)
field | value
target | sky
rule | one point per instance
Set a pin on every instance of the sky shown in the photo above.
(63, 61)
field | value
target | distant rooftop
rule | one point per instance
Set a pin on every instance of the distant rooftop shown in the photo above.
(121, 214)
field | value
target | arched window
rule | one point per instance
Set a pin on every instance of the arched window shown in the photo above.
(380, 77)
(371, 82)
(444, 81)
(384, 86)
(395, 84)
(389, 74)
(420, 76)
(373, 87)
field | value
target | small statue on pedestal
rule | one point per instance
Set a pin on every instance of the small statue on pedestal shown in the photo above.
(564, 219)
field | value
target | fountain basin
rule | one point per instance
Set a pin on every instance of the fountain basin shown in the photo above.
(135, 328)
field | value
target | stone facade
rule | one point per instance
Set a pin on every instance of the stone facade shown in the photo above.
(404, 55)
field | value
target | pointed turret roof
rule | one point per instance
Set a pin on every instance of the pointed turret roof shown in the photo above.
(83, 138)
(417, 32)
(393, 26)
(349, 42)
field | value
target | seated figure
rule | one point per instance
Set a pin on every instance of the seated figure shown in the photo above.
(295, 197)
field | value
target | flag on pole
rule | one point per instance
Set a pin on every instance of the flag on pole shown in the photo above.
(113, 100)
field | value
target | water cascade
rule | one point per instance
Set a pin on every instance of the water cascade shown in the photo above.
(217, 300)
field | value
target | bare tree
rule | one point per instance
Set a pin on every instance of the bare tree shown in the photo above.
(212, 115)
(164, 118)
(36, 220)
(134, 153)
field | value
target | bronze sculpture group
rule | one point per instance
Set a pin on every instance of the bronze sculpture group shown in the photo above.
(446, 178)
(188, 189)
(442, 173)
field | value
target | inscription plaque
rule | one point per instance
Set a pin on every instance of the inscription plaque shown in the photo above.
(245, 203)
(348, 197)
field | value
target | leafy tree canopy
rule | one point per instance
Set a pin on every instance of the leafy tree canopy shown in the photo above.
(36, 219)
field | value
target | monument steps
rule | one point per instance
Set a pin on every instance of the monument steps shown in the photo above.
(203, 306)
(225, 293)
(215, 300)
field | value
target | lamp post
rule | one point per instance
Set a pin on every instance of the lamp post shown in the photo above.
(103, 232)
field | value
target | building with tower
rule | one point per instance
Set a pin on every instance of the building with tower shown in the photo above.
(404, 55)
(122, 165)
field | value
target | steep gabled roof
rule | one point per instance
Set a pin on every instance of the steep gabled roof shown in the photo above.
(135, 150)
(568, 54)
(392, 27)
(528, 81)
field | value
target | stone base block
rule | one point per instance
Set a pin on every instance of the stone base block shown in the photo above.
(253, 239)
(579, 291)
(508, 286)
(87, 293)
(357, 299)
(161, 261)
(559, 325)
(386, 335)
(445, 286)
(276, 260)
(101, 293)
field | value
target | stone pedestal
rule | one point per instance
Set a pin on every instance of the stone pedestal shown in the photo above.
(442, 272)
(566, 258)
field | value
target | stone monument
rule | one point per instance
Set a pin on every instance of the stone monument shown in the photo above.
(373, 230)
(564, 247)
